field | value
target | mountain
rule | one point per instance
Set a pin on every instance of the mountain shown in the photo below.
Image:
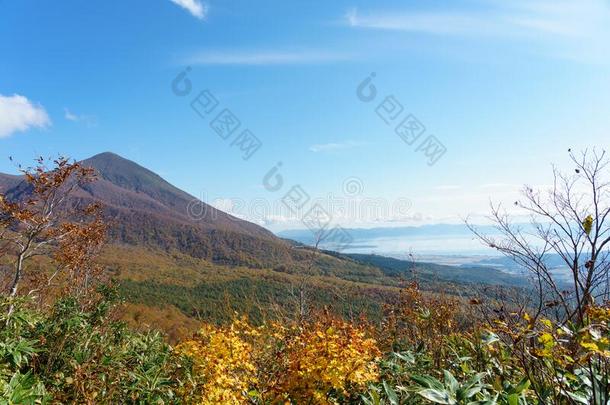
(175, 254)
(144, 209)
(9, 181)
(125, 184)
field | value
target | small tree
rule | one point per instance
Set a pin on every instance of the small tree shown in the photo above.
(569, 221)
(40, 218)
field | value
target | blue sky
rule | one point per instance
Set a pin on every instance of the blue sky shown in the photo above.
(506, 87)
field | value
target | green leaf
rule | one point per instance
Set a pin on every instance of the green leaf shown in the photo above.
(391, 394)
(365, 400)
(437, 396)
(407, 357)
(470, 392)
(581, 399)
(375, 397)
(492, 401)
(522, 386)
(475, 379)
(451, 382)
(427, 381)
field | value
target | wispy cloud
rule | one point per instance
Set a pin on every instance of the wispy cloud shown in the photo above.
(552, 17)
(89, 120)
(195, 7)
(576, 30)
(424, 22)
(335, 146)
(69, 116)
(265, 57)
(18, 114)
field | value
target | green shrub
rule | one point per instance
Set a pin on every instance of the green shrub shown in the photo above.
(78, 353)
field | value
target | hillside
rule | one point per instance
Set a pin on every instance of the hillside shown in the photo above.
(146, 210)
(124, 184)
(209, 266)
(8, 181)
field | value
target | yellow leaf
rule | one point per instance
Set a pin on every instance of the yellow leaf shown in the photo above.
(590, 345)
(587, 224)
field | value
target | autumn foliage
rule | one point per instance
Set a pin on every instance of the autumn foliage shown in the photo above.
(317, 362)
(72, 347)
(41, 219)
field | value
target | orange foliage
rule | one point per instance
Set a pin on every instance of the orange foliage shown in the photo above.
(45, 222)
(316, 362)
(327, 356)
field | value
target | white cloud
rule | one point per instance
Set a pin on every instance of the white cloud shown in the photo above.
(18, 114)
(553, 17)
(195, 7)
(566, 29)
(264, 57)
(89, 120)
(335, 146)
(425, 22)
(69, 116)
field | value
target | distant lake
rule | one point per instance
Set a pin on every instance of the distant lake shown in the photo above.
(441, 244)
(400, 242)
(420, 245)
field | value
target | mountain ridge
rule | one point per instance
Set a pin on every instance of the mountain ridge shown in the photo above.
(144, 209)
(210, 266)
(131, 176)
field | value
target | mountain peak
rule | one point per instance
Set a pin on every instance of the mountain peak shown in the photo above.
(101, 160)
(138, 181)
(125, 173)
(146, 209)
(106, 155)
